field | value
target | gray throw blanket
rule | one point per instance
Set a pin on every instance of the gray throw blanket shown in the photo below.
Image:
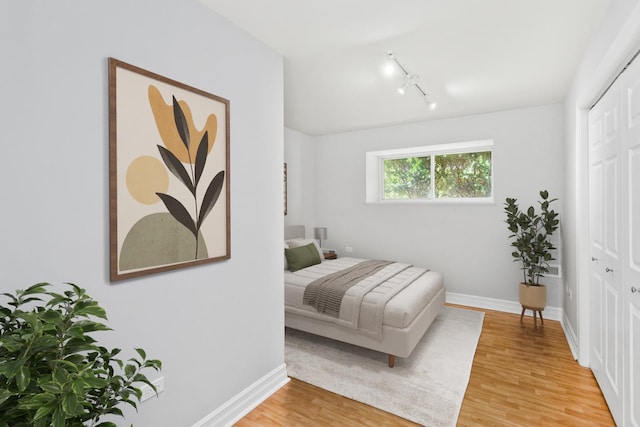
(325, 294)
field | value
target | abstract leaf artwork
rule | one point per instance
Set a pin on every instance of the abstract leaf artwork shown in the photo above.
(169, 173)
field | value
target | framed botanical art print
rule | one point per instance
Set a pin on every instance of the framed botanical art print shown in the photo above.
(168, 174)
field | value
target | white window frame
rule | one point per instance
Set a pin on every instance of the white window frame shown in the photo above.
(375, 170)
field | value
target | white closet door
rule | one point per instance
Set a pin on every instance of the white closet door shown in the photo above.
(614, 217)
(605, 135)
(631, 245)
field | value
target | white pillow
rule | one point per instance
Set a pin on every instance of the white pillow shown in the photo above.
(296, 243)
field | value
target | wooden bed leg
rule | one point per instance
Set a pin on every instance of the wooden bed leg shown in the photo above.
(392, 360)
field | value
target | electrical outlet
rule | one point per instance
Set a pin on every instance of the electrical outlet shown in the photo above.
(567, 290)
(147, 392)
(348, 249)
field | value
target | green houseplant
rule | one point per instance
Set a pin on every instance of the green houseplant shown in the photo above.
(531, 240)
(52, 372)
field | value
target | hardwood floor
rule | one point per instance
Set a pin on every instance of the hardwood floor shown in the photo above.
(521, 376)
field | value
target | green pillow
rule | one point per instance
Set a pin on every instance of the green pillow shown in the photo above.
(302, 256)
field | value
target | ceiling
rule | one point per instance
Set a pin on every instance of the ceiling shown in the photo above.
(471, 56)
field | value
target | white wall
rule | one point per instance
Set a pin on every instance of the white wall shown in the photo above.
(468, 243)
(609, 50)
(301, 179)
(217, 328)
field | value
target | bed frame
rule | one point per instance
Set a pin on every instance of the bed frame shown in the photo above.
(395, 342)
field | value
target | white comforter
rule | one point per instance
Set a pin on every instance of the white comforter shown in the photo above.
(363, 305)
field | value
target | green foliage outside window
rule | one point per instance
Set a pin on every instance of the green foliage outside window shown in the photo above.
(466, 175)
(463, 175)
(407, 178)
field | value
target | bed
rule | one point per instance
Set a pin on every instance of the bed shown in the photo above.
(388, 311)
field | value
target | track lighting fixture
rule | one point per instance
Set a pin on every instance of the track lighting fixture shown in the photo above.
(408, 79)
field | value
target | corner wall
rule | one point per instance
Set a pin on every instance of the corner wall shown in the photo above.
(218, 328)
(301, 180)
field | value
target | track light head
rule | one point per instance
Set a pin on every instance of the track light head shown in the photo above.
(407, 79)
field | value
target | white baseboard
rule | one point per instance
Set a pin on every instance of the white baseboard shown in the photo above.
(572, 338)
(245, 401)
(551, 313)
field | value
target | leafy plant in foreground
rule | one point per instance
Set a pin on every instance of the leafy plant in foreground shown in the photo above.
(52, 372)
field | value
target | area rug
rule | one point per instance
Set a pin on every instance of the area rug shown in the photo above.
(426, 388)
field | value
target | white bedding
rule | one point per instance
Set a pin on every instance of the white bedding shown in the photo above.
(370, 303)
(405, 317)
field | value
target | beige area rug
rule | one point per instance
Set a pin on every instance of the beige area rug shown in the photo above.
(427, 387)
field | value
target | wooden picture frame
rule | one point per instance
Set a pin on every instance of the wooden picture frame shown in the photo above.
(169, 193)
(285, 188)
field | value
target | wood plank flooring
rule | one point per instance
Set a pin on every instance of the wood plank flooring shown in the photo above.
(521, 376)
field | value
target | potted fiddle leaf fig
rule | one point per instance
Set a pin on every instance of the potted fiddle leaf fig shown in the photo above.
(532, 247)
(52, 371)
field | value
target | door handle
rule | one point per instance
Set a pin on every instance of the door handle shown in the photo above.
(634, 290)
(594, 259)
(608, 270)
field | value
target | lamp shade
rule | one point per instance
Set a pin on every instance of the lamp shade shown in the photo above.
(320, 233)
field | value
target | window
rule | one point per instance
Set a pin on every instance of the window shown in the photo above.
(460, 172)
(407, 178)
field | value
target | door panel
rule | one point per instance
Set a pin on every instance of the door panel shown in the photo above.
(611, 127)
(597, 333)
(634, 368)
(633, 100)
(612, 352)
(595, 132)
(611, 207)
(614, 227)
(634, 209)
(631, 255)
(630, 245)
(604, 192)
(597, 200)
